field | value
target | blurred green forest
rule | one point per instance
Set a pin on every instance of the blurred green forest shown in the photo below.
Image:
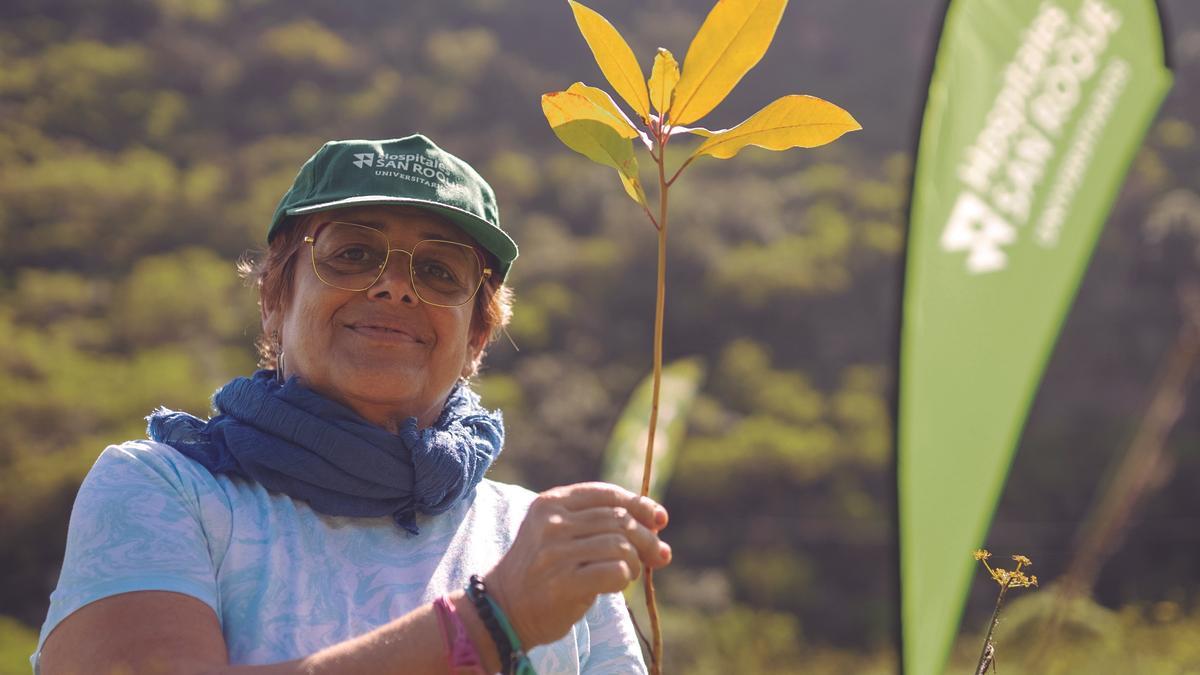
(144, 144)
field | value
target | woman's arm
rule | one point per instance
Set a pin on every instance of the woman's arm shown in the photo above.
(161, 632)
(575, 543)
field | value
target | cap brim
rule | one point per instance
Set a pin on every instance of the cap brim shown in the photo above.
(489, 236)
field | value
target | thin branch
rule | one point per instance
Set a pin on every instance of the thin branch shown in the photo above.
(988, 660)
(988, 656)
(649, 215)
(638, 629)
(680, 170)
(656, 649)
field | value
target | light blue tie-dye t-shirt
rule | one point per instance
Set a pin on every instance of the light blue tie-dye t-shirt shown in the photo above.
(284, 580)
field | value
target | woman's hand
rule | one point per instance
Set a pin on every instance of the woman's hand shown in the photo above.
(576, 542)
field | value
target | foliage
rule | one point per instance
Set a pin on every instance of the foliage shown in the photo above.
(143, 146)
(1154, 638)
(733, 38)
(624, 456)
(17, 642)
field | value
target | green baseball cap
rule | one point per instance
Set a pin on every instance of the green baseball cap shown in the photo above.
(410, 170)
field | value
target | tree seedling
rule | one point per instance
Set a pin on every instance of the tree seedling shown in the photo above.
(732, 39)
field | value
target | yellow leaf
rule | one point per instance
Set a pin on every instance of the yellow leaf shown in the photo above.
(590, 103)
(732, 39)
(615, 58)
(616, 118)
(792, 121)
(663, 78)
(594, 138)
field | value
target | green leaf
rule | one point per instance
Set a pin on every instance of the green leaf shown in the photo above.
(593, 137)
(626, 453)
(663, 78)
(732, 39)
(615, 58)
(789, 122)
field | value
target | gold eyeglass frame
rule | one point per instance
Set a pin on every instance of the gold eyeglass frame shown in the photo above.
(311, 239)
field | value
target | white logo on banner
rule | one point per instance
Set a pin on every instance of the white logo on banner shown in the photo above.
(975, 228)
(364, 159)
(1031, 138)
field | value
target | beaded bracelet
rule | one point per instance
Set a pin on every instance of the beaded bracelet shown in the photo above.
(513, 659)
(461, 655)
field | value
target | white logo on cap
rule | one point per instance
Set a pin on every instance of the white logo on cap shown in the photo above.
(413, 167)
(364, 159)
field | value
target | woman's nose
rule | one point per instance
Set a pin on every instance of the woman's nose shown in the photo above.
(396, 280)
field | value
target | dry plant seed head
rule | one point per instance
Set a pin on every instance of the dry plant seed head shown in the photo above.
(1008, 578)
(1019, 580)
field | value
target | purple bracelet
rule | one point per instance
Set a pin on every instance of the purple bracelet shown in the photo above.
(461, 654)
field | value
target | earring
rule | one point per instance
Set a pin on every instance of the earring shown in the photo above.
(278, 358)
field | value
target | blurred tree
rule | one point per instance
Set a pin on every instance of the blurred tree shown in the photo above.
(144, 145)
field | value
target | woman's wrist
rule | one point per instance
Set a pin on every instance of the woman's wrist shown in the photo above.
(513, 657)
(497, 592)
(477, 631)
(461, 653)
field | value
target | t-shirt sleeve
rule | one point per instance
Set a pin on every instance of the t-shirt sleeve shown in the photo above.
(136, 526)
(613, 643)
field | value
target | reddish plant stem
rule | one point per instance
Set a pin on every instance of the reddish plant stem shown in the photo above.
(659, 306)
(656, 641)
(656, 655)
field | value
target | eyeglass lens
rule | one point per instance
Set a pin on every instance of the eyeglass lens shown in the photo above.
(352, 257)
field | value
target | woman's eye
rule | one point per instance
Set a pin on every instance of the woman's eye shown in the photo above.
(435, 270)
(354, 254)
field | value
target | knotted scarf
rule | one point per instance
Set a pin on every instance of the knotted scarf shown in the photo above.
(291, 439)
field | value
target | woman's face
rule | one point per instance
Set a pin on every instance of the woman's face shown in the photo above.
(382, 352)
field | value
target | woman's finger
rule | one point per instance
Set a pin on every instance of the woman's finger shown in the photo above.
(581, 496)
(610, 546)
(602, 519)
(617, 519)
(606, 576)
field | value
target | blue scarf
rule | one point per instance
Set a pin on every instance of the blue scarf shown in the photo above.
(292, 440)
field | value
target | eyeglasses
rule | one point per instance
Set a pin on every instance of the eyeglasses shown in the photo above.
(353, 257)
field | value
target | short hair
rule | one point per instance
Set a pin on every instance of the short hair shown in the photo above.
(273, 272)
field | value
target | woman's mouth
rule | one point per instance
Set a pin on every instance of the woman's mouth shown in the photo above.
(385, 333)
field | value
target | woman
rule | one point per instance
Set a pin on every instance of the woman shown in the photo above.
(333, 518)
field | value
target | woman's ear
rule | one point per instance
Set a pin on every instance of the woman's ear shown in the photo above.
(475, 345)
(478, 340)
(270, 319)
